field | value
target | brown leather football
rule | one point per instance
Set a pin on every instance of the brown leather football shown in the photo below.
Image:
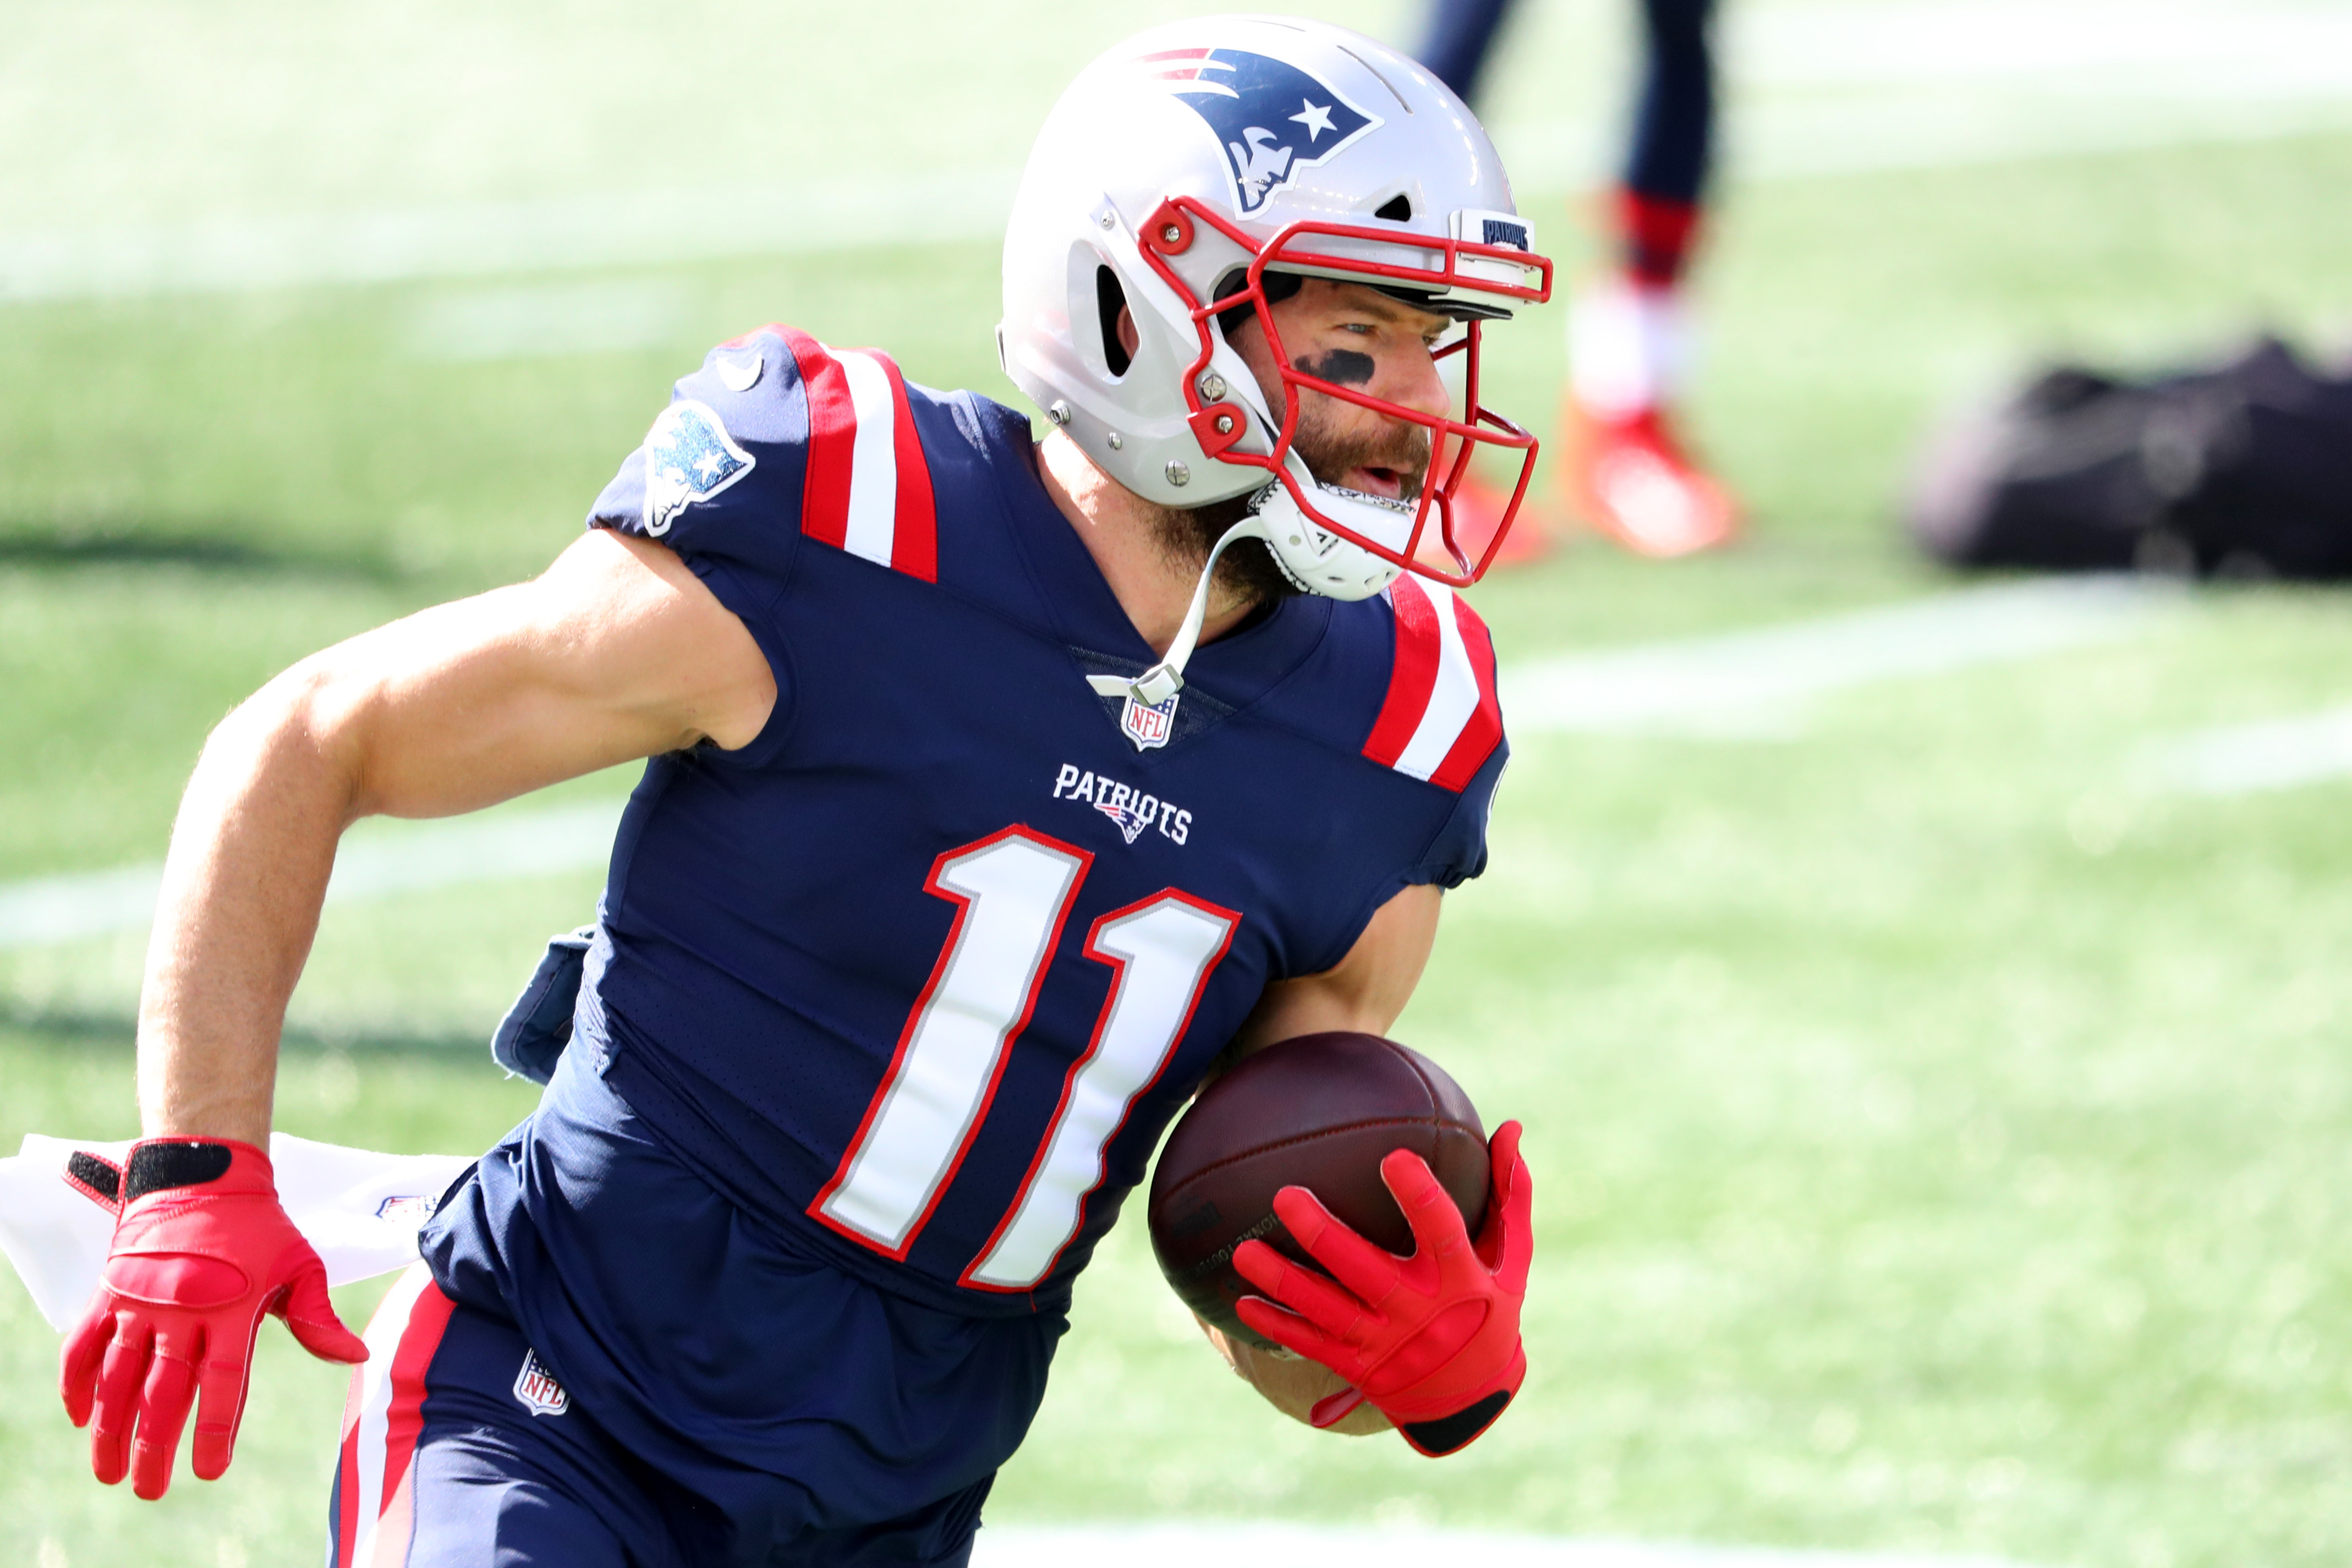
(1319, 1111)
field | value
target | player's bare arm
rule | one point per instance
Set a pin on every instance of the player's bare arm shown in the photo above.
(1365, 991)
(615, 653)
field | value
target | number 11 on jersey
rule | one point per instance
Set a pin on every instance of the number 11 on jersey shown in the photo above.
(1015, 889)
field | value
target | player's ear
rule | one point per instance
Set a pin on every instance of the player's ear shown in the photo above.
(1128, 337)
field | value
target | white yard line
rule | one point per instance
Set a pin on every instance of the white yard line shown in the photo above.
(2247, 759)
(1755, 683)
(1745, 683)
(644, 228)
(1818, 90)
(490, 239)
(374, 861)
(538, 320)
(1186, 1545)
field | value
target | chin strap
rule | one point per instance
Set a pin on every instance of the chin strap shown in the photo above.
(1166, 679)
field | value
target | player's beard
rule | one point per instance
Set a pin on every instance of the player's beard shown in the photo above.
(1247, 569)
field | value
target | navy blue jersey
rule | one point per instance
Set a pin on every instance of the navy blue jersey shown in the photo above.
(918, 974)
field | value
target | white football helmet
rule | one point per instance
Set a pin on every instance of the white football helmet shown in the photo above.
(1175, 173)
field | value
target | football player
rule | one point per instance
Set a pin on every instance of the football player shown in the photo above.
(996, 788)
(1628, 473)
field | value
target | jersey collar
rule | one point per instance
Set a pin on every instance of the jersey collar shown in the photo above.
(1237, 668)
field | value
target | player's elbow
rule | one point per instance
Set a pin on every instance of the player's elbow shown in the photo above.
(306, 730)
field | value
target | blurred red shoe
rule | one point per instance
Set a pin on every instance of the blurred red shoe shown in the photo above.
(1477, 514)
(1630, 480)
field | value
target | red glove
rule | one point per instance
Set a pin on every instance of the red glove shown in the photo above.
(201, 1251)
(1432, 1340)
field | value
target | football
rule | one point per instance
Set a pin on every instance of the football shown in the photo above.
(1319, 1111)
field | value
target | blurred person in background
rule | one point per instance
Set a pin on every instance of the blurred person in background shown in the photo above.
(1627, 472)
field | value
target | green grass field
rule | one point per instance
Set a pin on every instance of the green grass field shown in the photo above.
(1940, 1128)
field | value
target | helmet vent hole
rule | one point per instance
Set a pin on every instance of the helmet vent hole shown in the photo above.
(1396, 209)
(1109, 300)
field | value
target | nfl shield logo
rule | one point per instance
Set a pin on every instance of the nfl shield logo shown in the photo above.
(1149, 724)
(408, 1211)
(536, 1387)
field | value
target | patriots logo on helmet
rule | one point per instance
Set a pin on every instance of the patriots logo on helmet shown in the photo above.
(1273, 119)
(690, 458)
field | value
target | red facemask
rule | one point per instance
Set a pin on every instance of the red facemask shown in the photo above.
(1220, 425)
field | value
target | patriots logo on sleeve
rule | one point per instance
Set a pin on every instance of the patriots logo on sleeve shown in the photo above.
(1273, 119)
(690, 458)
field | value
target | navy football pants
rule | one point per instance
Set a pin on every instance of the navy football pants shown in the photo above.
(460, 1450)
(1674, 121)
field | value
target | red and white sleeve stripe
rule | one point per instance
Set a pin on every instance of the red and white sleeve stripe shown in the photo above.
(869, 488)
(382, 1418)
(1441, 720)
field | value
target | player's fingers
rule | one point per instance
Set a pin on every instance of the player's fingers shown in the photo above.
(1302, 1213)
(1437, 1228)
(1503, 1158)
(163, 1411)
(309, 1312)
(1303, 1290)
(1513, 1211)
(1292, 1332)
(120, 1376)
(1371, 1272)
(1261, 1265)
(1506, 1184)
(221, 1385)
(84, 1351)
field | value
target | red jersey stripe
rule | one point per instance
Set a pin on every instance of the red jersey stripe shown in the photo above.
(405, 1420)
(1414, 676)
(832, 440)
(827, 491)
(1483, 732)
(915, 536)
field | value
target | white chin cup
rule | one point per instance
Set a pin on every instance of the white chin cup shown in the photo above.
(1318, 560)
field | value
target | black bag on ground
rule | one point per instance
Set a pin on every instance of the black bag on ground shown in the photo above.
(2245, 470)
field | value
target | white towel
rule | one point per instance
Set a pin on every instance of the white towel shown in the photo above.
(359, 1209)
